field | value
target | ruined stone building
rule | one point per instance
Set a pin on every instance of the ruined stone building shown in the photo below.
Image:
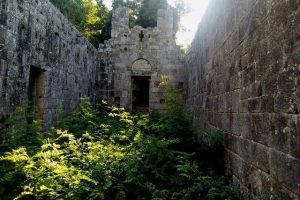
(134, 61)
(241, 75)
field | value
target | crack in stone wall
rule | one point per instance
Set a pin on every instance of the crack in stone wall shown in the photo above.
(242, 75)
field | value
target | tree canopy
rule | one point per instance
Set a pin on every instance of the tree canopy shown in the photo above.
(90, 17)
(147, 16)
(93, 19)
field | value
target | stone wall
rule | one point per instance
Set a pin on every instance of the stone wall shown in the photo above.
(138, 52)
(243, 77)
(37, 40)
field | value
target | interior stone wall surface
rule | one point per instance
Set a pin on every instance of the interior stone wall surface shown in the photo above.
(127, 55)
(35, 33)
(243, 77)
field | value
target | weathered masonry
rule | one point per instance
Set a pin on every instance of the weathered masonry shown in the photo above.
(134, 61)
(44, 59)
(243, 76)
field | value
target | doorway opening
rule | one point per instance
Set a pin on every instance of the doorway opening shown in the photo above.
(36, 91)
(140, 94)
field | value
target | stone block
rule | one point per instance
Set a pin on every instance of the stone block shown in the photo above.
(259, 184)
(245, 148)
(248, 76)
(285, 99)
(254, 105)
(294, 131)
(257, 89)
(260, 157)
(261, 128)
(243, 106)
(246, 92)
(231, 142)
(267, 104)
(270, 85)
(279, 135)
(246, 129)
(239, 168)
(287, 169)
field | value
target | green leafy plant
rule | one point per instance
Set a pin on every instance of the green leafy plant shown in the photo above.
(107, 153)
(174, 121)
(24, 129)
(24, 132)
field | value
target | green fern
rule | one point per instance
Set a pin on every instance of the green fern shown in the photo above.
(106, 153)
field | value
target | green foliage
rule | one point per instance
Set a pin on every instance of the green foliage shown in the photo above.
(133, 9)
(25, 130)
(106, 153)
(95, 23)
(147, 16)
(93, 19)
(72, 9)
(147, 12)
(206, 148)
(174, 122)
(103, 123)
(90, 17)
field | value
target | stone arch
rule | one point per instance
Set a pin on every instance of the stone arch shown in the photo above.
(141, 66)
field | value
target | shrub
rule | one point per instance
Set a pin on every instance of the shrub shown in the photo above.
(24, 129)
(106, 153)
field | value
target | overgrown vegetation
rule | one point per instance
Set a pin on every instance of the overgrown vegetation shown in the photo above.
(24, 129)
(107, 153)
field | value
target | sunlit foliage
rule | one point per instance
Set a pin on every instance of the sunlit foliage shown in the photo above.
(107, 153)
(90, 17)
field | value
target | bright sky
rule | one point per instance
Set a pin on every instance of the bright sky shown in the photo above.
(189, 22)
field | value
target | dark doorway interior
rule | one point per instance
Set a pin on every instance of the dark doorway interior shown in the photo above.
(36, 91)
(140, 93)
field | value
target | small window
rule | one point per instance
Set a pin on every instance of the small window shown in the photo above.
(125, 49)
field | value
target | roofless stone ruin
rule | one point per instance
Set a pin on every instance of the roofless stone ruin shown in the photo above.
(241, 75)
